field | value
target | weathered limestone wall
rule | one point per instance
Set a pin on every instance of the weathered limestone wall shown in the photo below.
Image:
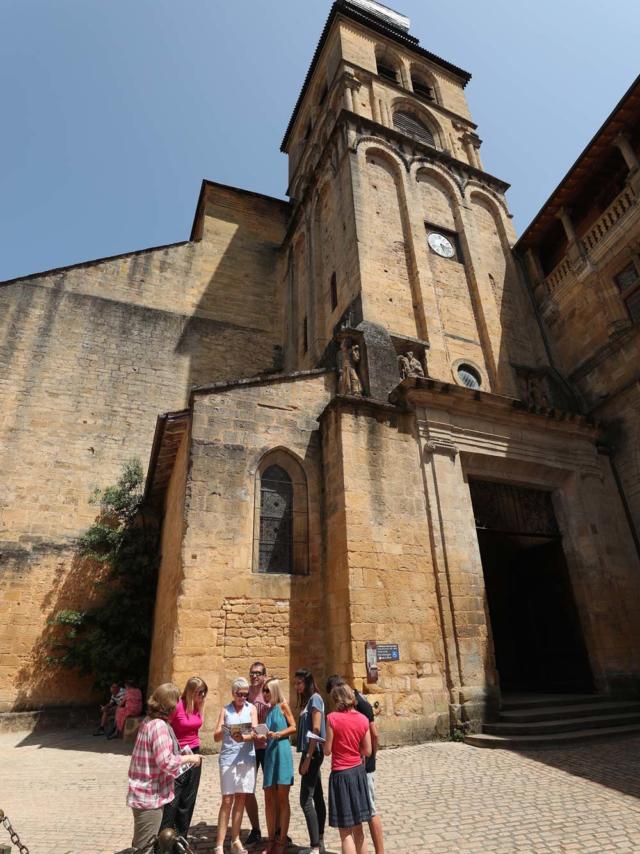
(170, 573)
(594, 342)
(323, 244)
(228, 615)
(380, 565)
(477, 311)
(90, 355)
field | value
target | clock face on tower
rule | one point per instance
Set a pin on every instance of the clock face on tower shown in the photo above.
(441, 245)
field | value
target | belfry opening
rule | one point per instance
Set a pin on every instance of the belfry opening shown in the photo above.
(537, 637)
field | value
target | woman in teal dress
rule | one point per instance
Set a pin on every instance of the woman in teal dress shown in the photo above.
(278, 766)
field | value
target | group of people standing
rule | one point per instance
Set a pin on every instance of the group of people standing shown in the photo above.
(254, 731)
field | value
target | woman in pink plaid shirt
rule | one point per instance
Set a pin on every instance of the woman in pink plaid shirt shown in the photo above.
(155, 763)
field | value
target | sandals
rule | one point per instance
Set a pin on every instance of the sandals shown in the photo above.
(238, 848)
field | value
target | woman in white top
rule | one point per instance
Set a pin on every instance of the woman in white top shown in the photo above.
(237, 762)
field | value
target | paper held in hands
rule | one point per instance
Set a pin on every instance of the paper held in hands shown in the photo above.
(313, 737)
(262, 730)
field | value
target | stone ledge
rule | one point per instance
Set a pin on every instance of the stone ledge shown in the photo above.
(54, 717)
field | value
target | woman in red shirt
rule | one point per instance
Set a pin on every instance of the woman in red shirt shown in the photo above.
(348, 740)
(186, 722)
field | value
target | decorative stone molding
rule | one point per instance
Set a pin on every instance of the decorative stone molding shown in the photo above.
(441, 446)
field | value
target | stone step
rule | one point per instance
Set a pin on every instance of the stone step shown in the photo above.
(534, 701)
(583, 710)
(511, 742)
(563, 725)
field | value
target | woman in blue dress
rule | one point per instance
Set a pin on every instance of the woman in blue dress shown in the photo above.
(278, 766)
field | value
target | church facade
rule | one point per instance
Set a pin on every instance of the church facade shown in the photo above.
(374, 458)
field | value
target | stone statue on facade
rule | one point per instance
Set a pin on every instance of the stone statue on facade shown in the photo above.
(536, 394)
(348, 361)
(409, 366)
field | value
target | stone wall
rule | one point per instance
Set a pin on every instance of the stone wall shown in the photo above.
(90, 355)
(380, 566)
(229, 615)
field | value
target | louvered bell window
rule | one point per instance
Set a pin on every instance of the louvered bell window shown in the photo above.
(276, 521)
(423, 90)
(406, 124)
(388, 73)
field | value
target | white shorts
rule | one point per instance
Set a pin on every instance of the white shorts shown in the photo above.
(238, 779)
(371, 785)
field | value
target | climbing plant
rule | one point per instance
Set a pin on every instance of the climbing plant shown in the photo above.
(111, 640)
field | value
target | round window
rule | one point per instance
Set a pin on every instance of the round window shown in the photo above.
(469, 376)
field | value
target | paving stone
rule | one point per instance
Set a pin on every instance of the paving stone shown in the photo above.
(65, 794)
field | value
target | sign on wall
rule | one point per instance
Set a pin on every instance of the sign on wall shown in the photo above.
(388, 652)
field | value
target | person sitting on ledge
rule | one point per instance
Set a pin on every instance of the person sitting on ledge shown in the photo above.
(130, 707)
(108, 711)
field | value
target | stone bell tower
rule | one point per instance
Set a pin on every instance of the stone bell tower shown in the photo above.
(397, 224)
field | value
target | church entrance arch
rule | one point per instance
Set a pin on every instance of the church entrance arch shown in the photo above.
(537, 635)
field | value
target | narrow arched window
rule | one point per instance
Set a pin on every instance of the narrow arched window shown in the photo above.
(411, 126)
(281, 520)
(276, 521)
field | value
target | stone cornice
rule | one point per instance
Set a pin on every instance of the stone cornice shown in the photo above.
(426, 151)
(435, 394)
(345, 119)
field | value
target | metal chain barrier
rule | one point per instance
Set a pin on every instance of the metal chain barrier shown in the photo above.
(167, 841)
(15, 839)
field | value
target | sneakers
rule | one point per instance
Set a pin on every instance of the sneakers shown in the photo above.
(254, 837)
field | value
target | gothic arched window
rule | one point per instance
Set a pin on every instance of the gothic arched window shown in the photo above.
(409, 125)
(276, 521)
(281, 523)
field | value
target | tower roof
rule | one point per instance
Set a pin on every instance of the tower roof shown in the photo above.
(381, 19)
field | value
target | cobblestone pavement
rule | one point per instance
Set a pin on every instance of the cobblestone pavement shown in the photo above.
(64, 793)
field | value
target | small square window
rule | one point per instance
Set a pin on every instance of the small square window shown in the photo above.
(627, 277)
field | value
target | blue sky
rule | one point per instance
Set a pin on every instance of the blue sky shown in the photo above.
(114, 110)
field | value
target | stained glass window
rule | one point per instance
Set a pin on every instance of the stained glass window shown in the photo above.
(276, 521)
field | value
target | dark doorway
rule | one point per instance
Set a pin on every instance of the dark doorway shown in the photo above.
(536, 632)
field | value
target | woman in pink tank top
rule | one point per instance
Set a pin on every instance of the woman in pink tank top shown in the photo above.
(186, 722)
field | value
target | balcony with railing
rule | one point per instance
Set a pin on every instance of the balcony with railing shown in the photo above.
(584, 251)
(610, 219)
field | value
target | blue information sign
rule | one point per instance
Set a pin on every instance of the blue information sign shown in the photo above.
(388, 652)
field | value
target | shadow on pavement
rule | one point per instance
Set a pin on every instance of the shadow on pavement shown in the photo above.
(202, 840)
(73, 739)
(611, 762)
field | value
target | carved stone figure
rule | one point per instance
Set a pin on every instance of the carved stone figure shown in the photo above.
(409, 366)
(348, 361)
(536, 394)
